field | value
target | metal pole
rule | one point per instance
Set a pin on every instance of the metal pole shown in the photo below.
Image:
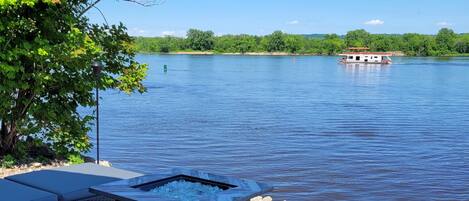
(97, 73)
(97, 120)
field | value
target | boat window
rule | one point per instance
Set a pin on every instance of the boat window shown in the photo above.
(350, 57)
(357, 58)
(376, 57)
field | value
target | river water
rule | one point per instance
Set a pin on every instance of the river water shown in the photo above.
(313, 128)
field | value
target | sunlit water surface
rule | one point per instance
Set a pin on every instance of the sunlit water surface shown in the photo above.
(313, 128)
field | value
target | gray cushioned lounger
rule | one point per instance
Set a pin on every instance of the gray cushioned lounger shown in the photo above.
(11, 191)
(72, 182)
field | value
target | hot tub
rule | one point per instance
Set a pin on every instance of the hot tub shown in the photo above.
(182, 185)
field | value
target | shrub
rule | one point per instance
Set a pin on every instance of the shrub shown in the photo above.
(42, 159)
(75, 159)
(21, 151)
(8, 161)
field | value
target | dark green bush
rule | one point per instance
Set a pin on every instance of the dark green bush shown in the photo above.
(8, 161)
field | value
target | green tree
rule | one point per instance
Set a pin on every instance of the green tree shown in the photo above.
(224, 44)
(144, 44)
(357, 38)
(293, 43)
(383, 42)
(45, 74)
(446, 40)
(462, 44)
(275, 42)
(245, 43)
(200, 40)
(419, 45)
(312, 46)
(236, 43)
(170, 43)
(412, 43)
(165, 46)
(332, 44)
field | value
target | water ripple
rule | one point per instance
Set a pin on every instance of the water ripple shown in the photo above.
(314, 129)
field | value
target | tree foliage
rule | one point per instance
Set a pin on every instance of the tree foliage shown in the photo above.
(275, 42)
(332, 44)
(462, 44)
(446, 42)
(45, 75)
(236, 43)
(357, 38)
(200, 40)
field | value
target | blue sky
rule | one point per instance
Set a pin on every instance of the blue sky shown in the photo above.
(260, 17)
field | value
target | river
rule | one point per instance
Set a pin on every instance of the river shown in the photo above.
(313, 128)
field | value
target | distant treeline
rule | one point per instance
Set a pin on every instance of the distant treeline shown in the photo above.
(445, 42)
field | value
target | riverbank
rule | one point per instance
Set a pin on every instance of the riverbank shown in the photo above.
(239, 53)
(444, 43)
(250, 53)
(35, 166)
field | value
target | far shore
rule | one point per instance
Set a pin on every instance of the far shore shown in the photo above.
(246, 53)
(249, 53)
(394, 54)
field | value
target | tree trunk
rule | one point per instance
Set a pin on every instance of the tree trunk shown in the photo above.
(8, 138)
(8, 131)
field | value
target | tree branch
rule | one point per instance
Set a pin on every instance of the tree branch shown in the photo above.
(144, 3)
(88, 8)
(102, 14)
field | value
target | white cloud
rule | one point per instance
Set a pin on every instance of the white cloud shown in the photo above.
(374, 22)
(173, 33)
(138, 32)
(293, 22)
(168, 33)
(443, 24)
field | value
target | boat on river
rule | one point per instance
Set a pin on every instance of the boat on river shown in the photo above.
(364, 56)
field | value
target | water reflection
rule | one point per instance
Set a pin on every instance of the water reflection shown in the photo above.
(314, 129)
(367, 73)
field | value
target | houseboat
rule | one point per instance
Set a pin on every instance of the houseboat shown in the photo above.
(362, 55)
